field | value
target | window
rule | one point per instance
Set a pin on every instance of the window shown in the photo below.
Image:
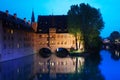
(59, 29)
(62, 42)
(40, 36)
(65, 42)
(11, 31)
(58, 43)
(40, 30)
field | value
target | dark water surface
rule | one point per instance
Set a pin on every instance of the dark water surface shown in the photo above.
(110, 65)
(105, 66)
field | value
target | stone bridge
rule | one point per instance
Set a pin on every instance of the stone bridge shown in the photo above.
(53, 49)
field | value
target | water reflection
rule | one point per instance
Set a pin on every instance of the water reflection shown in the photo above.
(109, 66)
(115, 54)
(54, 67)
(69, 68)
(35, 67)
(19, 69)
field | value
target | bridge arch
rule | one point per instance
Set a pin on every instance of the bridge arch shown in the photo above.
(62, 52)
(45, 52)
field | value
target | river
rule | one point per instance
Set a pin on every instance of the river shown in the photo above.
(103, 66)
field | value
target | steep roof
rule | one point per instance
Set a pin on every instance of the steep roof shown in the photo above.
(10, 21)
(52, 21)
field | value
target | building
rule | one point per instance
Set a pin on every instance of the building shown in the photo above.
(15, 37)
(20, 38)
(53, 33)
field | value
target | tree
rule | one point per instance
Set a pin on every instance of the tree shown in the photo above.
(114, 35)
(87, 22)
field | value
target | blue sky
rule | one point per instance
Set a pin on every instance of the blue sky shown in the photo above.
(110, 10)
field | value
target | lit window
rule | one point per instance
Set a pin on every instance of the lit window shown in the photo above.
(52, 63)
(52, 42)
(46, 41)
(11, 31)
(43, 36)
(42, 43)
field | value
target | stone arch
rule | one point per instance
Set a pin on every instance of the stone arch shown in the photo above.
(45, 52)
(62, 52)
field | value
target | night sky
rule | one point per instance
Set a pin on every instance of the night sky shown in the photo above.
(110, 10)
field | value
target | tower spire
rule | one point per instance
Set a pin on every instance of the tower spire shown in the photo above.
(33, 17)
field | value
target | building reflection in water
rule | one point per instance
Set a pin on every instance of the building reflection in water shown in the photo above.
(35, 67)
(115, 54)
(54, 67)
(18, 69)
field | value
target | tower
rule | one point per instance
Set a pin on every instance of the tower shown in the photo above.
(33, 17)
(34, 24)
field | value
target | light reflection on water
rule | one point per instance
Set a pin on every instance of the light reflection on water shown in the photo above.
(54, 67)
(35, 67)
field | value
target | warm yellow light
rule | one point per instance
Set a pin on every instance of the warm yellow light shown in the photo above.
(11, 31)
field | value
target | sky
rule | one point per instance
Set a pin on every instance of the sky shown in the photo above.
(110, 10)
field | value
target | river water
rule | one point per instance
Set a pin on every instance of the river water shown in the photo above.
(110, 65)
(103, 66)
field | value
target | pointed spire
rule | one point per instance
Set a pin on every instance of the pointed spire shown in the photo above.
(33, 17)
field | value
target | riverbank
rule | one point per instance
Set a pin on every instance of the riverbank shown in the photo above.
(78, 54)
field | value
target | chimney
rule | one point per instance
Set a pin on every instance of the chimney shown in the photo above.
(25, 20)
(15, 15)
(7, 12)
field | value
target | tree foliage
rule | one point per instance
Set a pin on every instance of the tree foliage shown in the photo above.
(114, 35)
(87, 21)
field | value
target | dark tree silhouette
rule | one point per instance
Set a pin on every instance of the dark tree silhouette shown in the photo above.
(87, 22)
(114, 35)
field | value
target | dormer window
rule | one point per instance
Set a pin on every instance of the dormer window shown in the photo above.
(59, 29)
(40, 30)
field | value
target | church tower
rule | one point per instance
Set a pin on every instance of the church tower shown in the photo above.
(33, 17)
(34, 24)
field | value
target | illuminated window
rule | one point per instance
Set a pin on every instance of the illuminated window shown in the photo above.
(43, 43)
(43, 36)
(57, 63)
(11, 31)
(46, 41)
(52, 63)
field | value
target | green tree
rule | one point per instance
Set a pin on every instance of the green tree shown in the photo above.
(86, 21)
